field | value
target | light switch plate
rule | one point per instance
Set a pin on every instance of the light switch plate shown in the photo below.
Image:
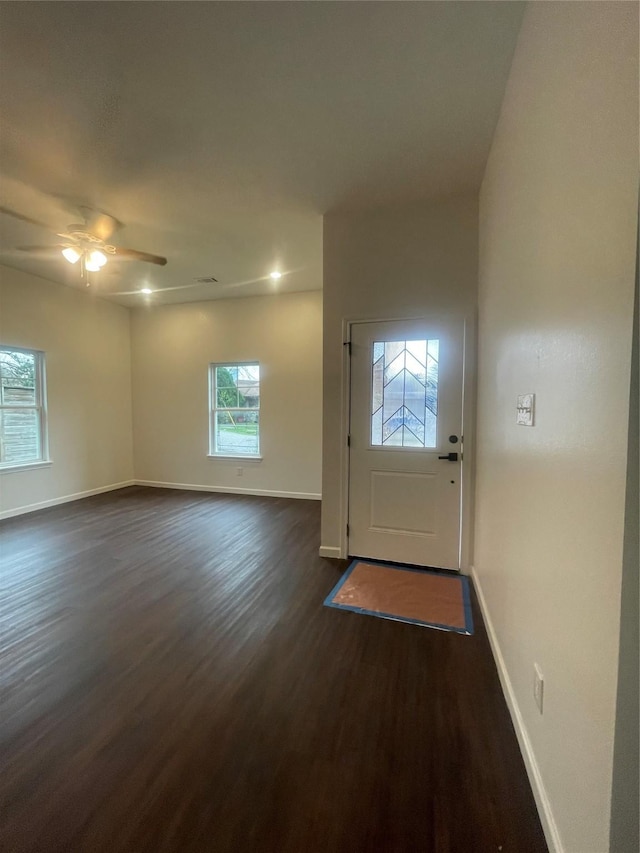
(524, 412)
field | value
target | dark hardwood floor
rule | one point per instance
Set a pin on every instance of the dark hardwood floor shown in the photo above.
(172, 683)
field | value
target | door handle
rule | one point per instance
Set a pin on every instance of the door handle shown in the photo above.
(450, 457)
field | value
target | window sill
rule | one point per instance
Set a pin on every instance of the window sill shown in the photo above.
(232, 456)
(25, 466)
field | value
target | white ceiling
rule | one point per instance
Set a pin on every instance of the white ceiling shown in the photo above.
(220, 133)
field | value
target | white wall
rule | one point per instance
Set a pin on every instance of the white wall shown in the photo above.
(557, 255)
(172, 347)
(86, 345)
(625, 791)
(395, 262)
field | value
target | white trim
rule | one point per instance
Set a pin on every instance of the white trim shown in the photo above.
(230, 490)
(547, 819)
(25, 466)
(23, 510)
(231, 456)
(328, 551)
(345, 431)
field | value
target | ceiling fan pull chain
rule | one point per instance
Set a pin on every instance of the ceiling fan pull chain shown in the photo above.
(83, 270)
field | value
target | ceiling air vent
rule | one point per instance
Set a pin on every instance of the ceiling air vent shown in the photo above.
(206, 279)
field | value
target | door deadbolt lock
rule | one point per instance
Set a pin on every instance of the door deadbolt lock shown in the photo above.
(453, 439)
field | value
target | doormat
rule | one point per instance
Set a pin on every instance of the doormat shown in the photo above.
(405, 594)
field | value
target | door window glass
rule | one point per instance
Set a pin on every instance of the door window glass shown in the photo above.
(404, 393)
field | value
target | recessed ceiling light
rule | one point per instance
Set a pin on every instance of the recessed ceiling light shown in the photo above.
(275, 275)
(146, 290)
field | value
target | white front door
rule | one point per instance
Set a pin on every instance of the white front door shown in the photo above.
(406, 415)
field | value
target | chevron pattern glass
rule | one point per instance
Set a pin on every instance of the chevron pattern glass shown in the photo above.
(404, 393)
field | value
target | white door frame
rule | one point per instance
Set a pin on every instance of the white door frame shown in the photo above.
(467, 468)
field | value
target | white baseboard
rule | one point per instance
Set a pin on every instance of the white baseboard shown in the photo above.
(230, 490)
(326, 551)
(549, 826)
(23, 510)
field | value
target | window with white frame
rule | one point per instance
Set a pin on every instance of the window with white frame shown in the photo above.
(23, 437)
(235, 409)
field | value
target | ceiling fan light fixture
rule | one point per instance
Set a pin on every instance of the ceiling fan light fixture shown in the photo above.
(70, 254)
(95, 260)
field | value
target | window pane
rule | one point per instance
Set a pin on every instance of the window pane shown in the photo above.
(418, 350)
(415, 425)
(377, 385)
(394, 367)
(237, 432)
(392, 349)
(410, 439)
(414, 396)
(394, 438)
(17, 378)
(19, 435)
(416, 367)
(376, 427)
(404, 394)
(250, 397)
(432, 385)
(249, 386)
(430, 429)
(393, 396)
(226, 377)
(227, 398)
(15, 395)
(250, 372)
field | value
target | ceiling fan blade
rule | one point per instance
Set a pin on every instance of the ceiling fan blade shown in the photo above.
(134, 255)
(23, 218)
(38, 250)
(138, 292)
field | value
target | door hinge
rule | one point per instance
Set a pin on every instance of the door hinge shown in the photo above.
(347, 530)
(348, 345)
(348, 441)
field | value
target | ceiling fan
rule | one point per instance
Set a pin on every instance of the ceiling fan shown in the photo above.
(87, 241)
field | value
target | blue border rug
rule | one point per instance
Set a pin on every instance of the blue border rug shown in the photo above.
(398, 617)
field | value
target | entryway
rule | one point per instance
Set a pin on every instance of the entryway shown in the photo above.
(406, 398)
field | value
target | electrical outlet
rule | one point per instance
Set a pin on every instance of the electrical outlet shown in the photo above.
(239, 472)
(538, 686)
